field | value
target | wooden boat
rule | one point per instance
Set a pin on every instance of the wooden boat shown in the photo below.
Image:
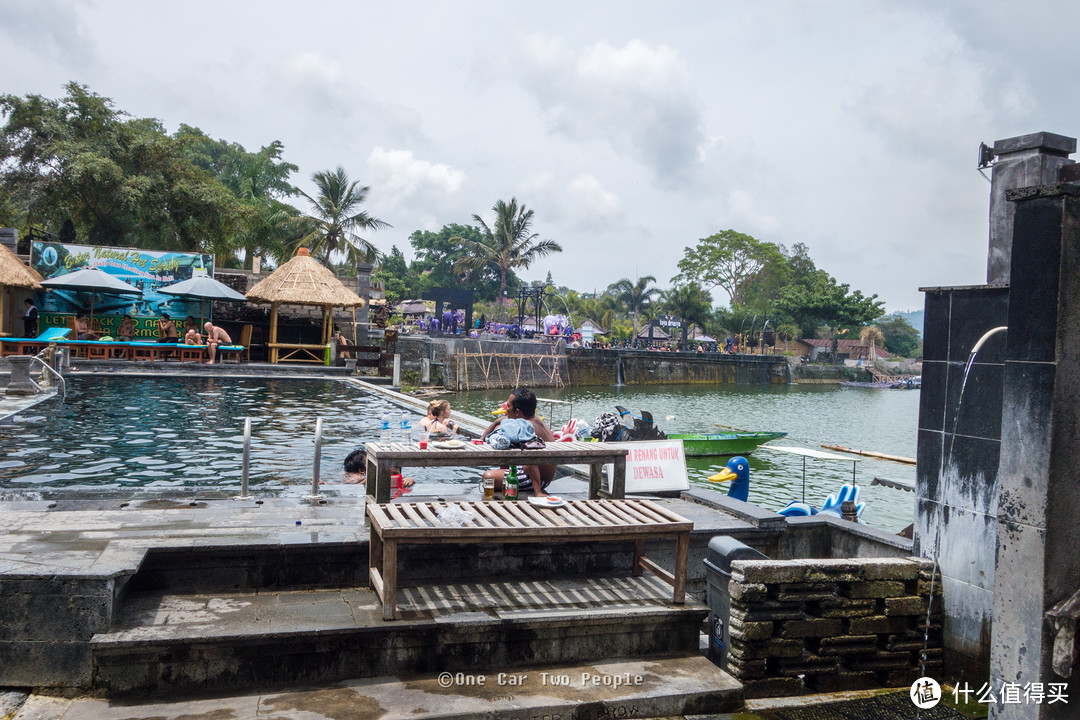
(728, 443)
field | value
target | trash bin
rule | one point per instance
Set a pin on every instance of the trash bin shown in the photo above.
(723, 549)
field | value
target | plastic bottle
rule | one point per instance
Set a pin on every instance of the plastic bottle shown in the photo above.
(404, 427)
(510, 492)
(384, 431)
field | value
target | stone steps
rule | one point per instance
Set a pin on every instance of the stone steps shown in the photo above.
(650, 688)
(161, 642)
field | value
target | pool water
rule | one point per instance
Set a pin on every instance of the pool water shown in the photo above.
(120, 435)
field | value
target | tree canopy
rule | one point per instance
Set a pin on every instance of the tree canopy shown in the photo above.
(335, 218)
(728, 260)
(899, 337)
(119, 180)
(509, 244)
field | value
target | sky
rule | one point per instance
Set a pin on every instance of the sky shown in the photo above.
(631, 129)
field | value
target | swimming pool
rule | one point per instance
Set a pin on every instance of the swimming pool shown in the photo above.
(121, 435)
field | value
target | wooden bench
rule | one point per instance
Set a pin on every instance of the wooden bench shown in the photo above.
(380, 458)
(519, 522)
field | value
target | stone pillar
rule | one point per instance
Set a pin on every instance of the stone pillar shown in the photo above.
(1020, 162)
(1039, 471)
(20, 383)
(363, 289)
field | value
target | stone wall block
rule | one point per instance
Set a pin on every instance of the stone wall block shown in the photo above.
(883, 660)
(806, 592)
(811, 628)
(747, 592)
(876, 589)
(891, 569)
(923, 587)
(768, 571)
(751, 630)
(910, 605)
(808, 664)
(744, 668)
(760, 613)
(877, 624)
(844, 645)
(773, 648)
(843, 607)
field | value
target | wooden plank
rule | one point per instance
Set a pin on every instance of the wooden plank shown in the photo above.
(539, 517)
(639, 553)
(484, 514)
(389, 573)
(377, 583)
(645, 510)
(425, 510)
(671, 515)
(413, 513)
(376, 516)
(573, 515)
(658, 571)
(682, 552)
(587, 510)
(612, 508)
(509, 516)
(399, 517)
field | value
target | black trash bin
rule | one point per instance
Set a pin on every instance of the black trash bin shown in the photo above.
(723, 549)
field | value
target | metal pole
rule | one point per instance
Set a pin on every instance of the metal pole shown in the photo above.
(247, 461)
(315, 465)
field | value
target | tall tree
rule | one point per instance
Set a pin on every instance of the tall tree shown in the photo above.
(691, 304)
(825, 302)
(509, 244)
(120, 180)
(335, 218)
(636, 296)
(729, 260)
(898, 335)
(260, 181)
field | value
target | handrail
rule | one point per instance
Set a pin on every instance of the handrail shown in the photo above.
(46, 366)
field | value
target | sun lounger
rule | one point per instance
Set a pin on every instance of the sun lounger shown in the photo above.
(32, 346)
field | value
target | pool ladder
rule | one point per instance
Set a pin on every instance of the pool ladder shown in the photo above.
(244, 493)
(49, 371)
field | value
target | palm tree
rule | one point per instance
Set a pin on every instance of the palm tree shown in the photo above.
(509, 245)
(635, 295)
(336, 217)
(691, 304)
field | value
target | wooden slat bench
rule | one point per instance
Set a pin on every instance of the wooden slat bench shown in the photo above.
(380, 458)
(518, 522)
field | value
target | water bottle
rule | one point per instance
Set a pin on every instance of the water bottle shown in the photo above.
(384, 432)
(404, 427)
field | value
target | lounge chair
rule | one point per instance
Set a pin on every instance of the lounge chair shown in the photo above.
(32, 346)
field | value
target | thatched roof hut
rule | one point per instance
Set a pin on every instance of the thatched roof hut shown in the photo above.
(302, 281)
(14, 274)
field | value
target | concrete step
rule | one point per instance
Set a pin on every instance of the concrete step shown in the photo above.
(167, 642)
(652, 688)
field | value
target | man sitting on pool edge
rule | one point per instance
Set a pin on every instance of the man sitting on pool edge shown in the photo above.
(522, 405)
(356, 470)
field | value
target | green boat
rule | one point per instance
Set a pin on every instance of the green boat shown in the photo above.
(730, 443)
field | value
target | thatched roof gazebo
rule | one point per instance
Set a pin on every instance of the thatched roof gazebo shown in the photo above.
(14, 274)
(302, 281)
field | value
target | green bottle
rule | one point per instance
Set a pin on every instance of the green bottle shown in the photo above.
(510, 492)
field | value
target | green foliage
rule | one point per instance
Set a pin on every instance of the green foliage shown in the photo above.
(335, 218)
(635, 296)
(900, 338)
(510, 244)
(691, 303)
(392, 275)
(120, 180)
(729, 260)
(824, 302)
(260, 181)
(437, 255)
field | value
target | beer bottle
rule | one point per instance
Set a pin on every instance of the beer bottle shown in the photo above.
(510, 492)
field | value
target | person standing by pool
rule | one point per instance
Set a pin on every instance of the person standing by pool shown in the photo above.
(166, 329)
(438, 418)
(82, 328)
(522, 405)
(30, 318)
(215, 336)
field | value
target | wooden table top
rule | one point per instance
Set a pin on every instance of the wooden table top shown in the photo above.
(577, 518)
(470, 454)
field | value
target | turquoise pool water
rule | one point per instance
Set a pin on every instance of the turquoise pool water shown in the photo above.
(120, 435)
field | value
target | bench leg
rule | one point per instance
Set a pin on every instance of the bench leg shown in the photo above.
(639, 552)
(389, 608)
(596, 477)
(682, 550)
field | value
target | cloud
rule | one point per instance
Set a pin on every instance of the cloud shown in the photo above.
(639, 98)
(53, 26)
(404, 184)
(590, 206)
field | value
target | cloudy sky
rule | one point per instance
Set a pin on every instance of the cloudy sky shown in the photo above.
(633, 129)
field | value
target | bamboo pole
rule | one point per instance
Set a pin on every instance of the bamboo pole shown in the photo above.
(868, 453)
(273, 332)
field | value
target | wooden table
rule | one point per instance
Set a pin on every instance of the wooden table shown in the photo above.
(498, 521)
(380, 458)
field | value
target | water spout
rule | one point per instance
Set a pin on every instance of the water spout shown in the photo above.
(618, 370)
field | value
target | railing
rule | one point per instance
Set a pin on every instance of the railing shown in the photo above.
(61, 383)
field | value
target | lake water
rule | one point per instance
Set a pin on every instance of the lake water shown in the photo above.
(878, 420)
